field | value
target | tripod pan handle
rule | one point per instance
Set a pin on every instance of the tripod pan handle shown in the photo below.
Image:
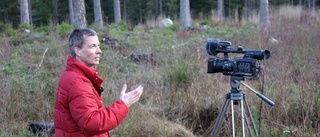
(271, 103)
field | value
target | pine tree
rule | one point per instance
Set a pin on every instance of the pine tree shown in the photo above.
(24, 12)
(185, 18)
(264, 15)
(79, 14)
(97, 13)
(117, 11)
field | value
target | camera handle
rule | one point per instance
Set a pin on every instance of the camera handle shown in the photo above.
(235, 95)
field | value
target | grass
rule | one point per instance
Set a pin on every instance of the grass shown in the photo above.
(180, 98)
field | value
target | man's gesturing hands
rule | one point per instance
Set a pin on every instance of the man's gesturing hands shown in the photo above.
(132, 96)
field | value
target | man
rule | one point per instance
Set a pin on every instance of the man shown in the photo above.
(79, 110)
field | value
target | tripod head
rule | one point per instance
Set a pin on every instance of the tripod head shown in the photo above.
(235, 82)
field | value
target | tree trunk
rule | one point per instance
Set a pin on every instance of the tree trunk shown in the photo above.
(309, 4)
(246, 10)
(185, 18)
(313, 5)
(160, 6)
(117, 11)
(125, 11)
(24, 12)
(140, 14)
(249, 9)
(55, 11)
(30, 16)
(264, 15)
(71, 12)
(220, 10)
(291, 2)
(229, 9)
(79, 14)
(97, 13)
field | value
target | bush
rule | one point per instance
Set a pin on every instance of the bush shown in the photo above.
(118, 31)
(179, 74)
(7, 29)
(122, 26)
(171, 29)
(43, 29)
(26, 26)
(205, 22)
(64, 29)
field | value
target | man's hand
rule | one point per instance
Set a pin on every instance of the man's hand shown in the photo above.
(132, 96)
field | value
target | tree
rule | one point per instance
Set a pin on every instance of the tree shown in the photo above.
(160, 8)
(125, 10)
(97, 13)
(117, 12)
(264, 15)
(79, 12)
(220, 10)
(71, 11)
(185, 18)
(202, 9)
(171, 8)
(55, 11)
(249, 6)
(24, 12)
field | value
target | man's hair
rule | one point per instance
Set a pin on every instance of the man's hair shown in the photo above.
(76, 38)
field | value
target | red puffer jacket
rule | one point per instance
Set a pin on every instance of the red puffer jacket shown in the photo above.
(79, 110)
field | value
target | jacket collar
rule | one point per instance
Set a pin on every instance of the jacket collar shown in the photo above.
(91, 73)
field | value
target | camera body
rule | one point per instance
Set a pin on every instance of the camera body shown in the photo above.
(237, 67)
(246, 66)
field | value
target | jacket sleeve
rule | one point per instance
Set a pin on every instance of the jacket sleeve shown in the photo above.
(84, 107)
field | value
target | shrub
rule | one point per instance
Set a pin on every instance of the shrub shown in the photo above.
(26, 26)
(205, 22)
(64, 29)
(118, 31)
(122, 26)
(171, 29)
(7, 29)
(179, 74)
(43, 29)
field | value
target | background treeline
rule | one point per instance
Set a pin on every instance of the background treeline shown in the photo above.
(135, 12)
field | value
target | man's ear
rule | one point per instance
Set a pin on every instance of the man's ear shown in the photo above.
(77, 51)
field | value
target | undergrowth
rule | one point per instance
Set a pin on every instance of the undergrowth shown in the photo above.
(180, 98)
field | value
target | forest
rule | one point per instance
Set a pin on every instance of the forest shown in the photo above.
(180, 99)
(134, 12)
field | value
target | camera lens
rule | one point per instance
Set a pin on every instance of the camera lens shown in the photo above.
(216, 65)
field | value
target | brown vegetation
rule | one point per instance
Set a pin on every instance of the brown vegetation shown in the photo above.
(180, 98)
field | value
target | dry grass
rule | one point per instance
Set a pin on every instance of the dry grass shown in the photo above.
(180, 98)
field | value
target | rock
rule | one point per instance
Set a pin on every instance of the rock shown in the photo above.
(165, 23)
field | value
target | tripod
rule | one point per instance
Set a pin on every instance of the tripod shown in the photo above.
(235, 96)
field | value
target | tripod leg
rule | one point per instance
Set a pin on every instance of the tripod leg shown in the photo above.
(251, 118)
(248, 125)
(232, 115)
(242, 118)
(217, 125)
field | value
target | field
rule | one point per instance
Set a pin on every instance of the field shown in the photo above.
(180, 98)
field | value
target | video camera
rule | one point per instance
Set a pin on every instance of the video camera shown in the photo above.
(245, 66)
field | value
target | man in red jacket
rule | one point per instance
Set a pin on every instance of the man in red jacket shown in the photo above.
(79, 110)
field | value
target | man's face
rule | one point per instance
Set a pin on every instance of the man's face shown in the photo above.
(90, 52)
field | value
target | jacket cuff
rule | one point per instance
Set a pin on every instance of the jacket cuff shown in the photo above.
(124, 104)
